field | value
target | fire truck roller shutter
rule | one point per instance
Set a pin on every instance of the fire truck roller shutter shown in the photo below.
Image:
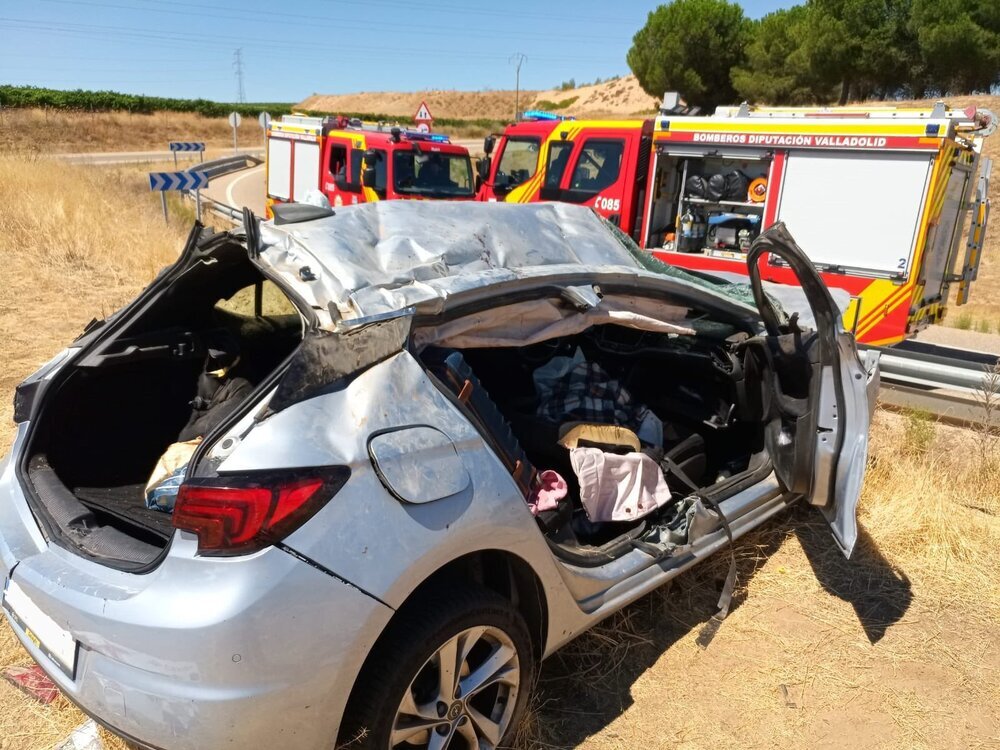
(306, 177)
(856, 210)
(279, 165)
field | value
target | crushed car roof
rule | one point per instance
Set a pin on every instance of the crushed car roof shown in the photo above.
(378, 258)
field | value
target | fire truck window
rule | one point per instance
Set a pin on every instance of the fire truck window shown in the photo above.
(380, 171)
(338, 162)
(559, 152)
(460, 172)
(433, 175)
(517, 163)
(598, 166)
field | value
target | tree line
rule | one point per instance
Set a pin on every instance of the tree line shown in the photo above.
(820, 52)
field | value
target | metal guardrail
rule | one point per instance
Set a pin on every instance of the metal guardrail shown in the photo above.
(934, 366)
(227, 164)
(221, 209)
(953, 384)
(217, 168)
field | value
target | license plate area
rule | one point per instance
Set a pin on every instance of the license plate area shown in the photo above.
(49, 637)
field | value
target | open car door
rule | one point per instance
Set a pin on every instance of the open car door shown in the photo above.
(818, 402)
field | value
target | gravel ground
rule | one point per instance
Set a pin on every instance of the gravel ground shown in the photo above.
(971, 340)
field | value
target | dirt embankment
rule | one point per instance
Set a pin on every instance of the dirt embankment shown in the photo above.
(621, 96)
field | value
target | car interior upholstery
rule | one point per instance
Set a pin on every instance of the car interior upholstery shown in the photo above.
(696, 385)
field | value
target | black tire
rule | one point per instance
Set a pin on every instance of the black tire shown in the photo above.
(413, 638)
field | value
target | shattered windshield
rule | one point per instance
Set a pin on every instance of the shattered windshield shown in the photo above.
(432, 175)
(740, 292)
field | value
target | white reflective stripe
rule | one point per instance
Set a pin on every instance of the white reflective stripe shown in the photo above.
(56, 640)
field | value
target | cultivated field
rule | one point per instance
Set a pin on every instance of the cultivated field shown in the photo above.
(897, 648)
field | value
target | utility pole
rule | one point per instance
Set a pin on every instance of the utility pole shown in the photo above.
(238, 67)
(517, 60)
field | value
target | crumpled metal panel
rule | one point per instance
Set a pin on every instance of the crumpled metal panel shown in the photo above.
(381, 257)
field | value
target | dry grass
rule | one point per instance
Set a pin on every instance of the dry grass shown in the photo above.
(57, 131)
(69, 256)
(896, 649)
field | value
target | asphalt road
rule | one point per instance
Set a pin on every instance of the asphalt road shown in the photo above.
(239, 189)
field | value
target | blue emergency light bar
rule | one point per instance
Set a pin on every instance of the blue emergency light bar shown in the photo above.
(540, 114)
(414, 135)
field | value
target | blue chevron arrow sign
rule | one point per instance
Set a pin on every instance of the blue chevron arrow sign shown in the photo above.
(178, 180)
(186, 146)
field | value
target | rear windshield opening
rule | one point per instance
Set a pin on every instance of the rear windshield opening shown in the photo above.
(145, 396)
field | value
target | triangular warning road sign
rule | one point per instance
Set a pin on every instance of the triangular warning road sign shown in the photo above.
(423, 114)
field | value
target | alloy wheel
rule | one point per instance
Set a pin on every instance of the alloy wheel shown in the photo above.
(464, 695)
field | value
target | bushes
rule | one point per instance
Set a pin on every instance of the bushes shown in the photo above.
(108, 101)
(549, 104)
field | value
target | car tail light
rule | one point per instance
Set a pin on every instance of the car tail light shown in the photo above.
(236, 515)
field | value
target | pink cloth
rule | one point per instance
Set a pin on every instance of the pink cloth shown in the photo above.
(618, 487)
(551, 489)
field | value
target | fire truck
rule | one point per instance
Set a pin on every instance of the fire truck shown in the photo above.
(877, 197)
(350, 162)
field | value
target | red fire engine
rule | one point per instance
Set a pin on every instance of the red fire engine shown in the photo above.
(352, 162)
(878, 197)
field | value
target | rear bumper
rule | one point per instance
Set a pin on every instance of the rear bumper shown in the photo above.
(257, 651)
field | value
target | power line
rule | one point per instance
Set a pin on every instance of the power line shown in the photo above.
(517, 60)
(156, 36)
(238, 66)
(289, 19)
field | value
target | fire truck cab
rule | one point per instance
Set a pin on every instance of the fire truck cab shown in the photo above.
(876, 197)
(352, 162)
(600, 163)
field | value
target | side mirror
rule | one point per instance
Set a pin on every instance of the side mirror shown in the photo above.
(483, 168)
(368, 173)
(489, 143)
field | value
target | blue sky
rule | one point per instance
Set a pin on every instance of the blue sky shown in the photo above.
(293, 49)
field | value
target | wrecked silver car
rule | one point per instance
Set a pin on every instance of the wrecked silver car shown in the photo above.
(363, 469)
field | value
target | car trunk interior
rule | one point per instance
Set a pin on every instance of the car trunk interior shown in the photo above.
(109, 417)
(697, 385)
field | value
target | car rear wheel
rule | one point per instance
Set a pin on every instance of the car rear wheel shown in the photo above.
(452, 673)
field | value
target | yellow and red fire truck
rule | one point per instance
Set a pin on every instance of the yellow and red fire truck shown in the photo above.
(878, 197)
(349, 162)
